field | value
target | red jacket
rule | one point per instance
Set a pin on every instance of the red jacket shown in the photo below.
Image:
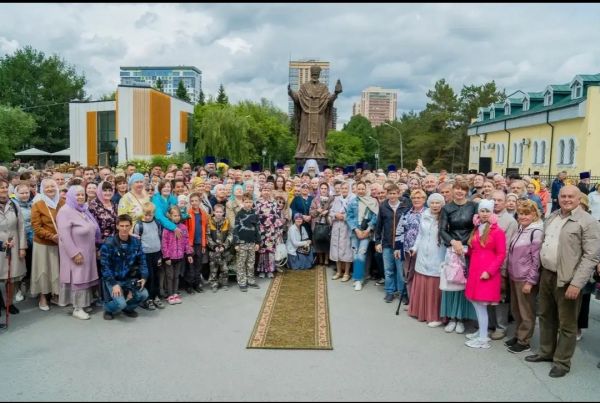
(191, 225)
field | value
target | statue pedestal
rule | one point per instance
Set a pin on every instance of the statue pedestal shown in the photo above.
(300, 162)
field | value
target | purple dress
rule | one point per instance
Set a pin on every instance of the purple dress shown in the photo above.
(77, 234)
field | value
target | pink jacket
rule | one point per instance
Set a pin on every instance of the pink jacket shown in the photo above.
(486, 258)
(173, 248)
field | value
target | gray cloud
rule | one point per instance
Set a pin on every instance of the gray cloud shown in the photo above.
(247, 46)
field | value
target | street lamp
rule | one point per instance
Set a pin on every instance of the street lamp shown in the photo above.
(378, 152)
(401, 148)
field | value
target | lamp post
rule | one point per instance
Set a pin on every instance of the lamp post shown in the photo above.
(378, 152)
(401, 147)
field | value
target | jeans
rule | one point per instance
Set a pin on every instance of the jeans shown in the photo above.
(117, 304)
(359, 249)
(394, 277)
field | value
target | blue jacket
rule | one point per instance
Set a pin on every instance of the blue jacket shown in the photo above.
(352, 218)
(162, 206)
(556, 186)
(116, 262)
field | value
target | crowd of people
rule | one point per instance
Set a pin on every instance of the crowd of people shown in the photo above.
(459, 251)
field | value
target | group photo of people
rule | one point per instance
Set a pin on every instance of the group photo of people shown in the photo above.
(471, 254)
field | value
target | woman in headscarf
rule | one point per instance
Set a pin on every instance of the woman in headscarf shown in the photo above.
(78, 234)
(234, 204)
(12, 236)
(45, 268)
(426, 296)
(361, 218)
(133, 201)
(321, 226)
(340, 249)
(300, 254)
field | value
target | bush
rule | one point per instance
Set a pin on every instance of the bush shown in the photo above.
(161, 160)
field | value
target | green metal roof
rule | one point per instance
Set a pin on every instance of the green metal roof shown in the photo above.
(589, 77)
(560, 87)
(536, 95)
(516, 101)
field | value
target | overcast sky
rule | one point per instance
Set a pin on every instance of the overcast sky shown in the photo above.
(247, 47)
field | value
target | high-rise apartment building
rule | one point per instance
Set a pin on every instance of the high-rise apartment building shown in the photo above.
(169, 75)
(300, 74)
(377, 104)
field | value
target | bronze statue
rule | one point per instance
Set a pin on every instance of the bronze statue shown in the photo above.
(313, 106)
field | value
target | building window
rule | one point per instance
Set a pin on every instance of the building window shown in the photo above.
(507, 109)
(521, 153)
(561, 152)
(500, 153)
(517, 153)
(542, 159)
(548, 98)
(492, 113)
(571, 152)
(576, 90)
(535, 152)
(525, 104)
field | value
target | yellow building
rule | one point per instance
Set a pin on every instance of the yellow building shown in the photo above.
(140, 123)
(550, 131)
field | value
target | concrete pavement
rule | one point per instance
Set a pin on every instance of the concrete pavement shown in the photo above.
(197, 351)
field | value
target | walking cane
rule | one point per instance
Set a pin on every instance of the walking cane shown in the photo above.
(8, 293)
(404, 292)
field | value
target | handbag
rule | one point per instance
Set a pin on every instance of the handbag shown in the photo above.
(303, 250)
(454, 267)
(322, 232)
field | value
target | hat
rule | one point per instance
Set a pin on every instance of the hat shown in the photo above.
(209, 159)
(536, 173)
(224, 161)
(279, 165)
(392, 168)
(136, 177)
(255, 167)
(584, 175)
(297, 215)
(486, 205)
(299, 169)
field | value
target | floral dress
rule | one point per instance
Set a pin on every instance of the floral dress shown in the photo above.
(107, 218)
(270, 226)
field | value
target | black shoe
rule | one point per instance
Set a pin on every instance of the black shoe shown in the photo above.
(131, 314)
(108, 316)
(198, 289)
(190, 290)
(558, 372)
(13, 310)
(388, 298)
(511, 342)
(519, 348)
(253, 285)
(244, 288)
(537, 358)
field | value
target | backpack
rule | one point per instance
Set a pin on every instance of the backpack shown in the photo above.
(140, 229)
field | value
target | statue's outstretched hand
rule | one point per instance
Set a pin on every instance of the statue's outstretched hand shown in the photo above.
(338, 87)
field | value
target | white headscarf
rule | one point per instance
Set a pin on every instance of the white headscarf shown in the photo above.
(52, 203)
(312, 163)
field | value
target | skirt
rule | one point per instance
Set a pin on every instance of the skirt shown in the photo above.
(456, 306)
(300, 261)
(45, 270)
(425, 298)
(79, 298)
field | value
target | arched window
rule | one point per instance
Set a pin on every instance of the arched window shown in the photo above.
(507, 109)
(561, 152)
(542, 159)
(535, 152)
(503, 151)
(525, 104)
(571, 151)
(521, 153)
(515, 152)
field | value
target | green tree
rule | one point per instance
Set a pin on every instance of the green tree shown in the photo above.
(16, 127)
(109, 97)
(221, 96)
(201, 100)
(43, 86)
(159, 85)
(181, 92)
(359, 126)
(343, 148)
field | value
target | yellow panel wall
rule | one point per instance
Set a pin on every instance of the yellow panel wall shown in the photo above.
(160, 122)
(92, 138)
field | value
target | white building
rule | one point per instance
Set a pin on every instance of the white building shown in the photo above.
(169, 75)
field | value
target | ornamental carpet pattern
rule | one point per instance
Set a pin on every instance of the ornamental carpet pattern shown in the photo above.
(295, 312)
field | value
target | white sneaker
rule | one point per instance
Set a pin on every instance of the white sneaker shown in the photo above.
(261, 275)
(80, 314)
(435, 324)
(472, 336)
(478, 343)
(357, 285)
(460, 328)
(19, 296)
(450, 326)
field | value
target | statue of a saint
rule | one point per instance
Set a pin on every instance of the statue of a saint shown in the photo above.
(313, 106)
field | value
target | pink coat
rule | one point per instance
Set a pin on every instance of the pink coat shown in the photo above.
(486, 258)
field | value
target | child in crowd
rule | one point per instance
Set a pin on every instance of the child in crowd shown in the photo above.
(183, 203)
(220, 238)
(174, 250)
(196, 225)
(22, 197)
(246, 238)
(150, 232)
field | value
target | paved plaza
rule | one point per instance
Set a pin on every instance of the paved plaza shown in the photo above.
(197, 351)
